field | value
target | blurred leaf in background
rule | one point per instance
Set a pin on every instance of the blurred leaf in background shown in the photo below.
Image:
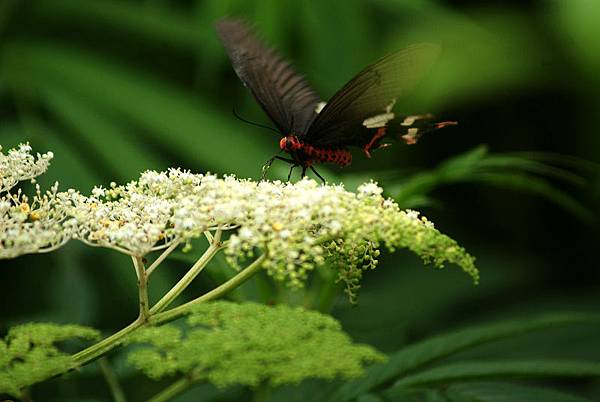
(117, 87)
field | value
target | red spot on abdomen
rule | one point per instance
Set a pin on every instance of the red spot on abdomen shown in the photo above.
(338, 156)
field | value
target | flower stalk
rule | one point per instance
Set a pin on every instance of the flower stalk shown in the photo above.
(142, 283)
(106, 345)
(193, 272)
(216, 293)
(161, 258)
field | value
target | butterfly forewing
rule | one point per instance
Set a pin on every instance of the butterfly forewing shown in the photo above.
(340, 123)
(284, 95)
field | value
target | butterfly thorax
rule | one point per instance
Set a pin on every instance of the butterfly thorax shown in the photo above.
(308, 154)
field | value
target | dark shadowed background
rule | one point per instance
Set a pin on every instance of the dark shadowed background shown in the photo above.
(117, 87)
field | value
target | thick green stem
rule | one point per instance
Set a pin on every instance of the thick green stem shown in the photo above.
(154, 317)
(217, 292)
(184, 282)
(142, 287)
(105, 345)
(326, 292)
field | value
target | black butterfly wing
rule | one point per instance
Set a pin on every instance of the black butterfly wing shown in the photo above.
(369, 94)
(284, 95)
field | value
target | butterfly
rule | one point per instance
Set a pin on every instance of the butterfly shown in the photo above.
(359, 115)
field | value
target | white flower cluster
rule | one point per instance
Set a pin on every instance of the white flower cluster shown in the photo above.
(18, 165)
(295, 226)
(34, 225)
(157, 210)
(27, 225)
(298, 226)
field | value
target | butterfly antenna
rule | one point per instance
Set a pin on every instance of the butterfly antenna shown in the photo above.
(252, 123)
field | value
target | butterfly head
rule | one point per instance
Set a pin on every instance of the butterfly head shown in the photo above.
(290, 143)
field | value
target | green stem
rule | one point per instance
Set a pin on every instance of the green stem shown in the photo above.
(173, 390)
(161, 258)
(184, 282)
(112, 380)
(105, 345)
(140, 271)
(217, 292)
(326, 292)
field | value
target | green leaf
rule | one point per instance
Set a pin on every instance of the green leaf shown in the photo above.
(465, 161)
(537, 186)
(420, 354)
(505, 392)
(251, 344)
(500, 369)
(511, 171)
(528, 164)
(28, 354)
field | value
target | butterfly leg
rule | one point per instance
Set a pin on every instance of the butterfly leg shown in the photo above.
(291, 162)
(266, 167)
(291, 170)
(268, 164)
(318, 175)
(379, 134)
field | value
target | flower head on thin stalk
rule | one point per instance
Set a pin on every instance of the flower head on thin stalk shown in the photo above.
(296, 226)
(121, 217)
(33, 225)
(157, 210)
(29, 224)
(303, 225)
(18, 164)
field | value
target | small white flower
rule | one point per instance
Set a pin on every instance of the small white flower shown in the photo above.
(412, 214)
(245, 234)
(335, 226)
(98, 192)
(368, 189)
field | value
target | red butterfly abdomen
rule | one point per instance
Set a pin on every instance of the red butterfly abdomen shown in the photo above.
(338, 156)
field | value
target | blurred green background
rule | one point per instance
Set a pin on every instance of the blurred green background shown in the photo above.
(117, 87)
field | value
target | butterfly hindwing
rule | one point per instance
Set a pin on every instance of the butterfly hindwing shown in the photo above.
(284, 95)
(371, 93)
